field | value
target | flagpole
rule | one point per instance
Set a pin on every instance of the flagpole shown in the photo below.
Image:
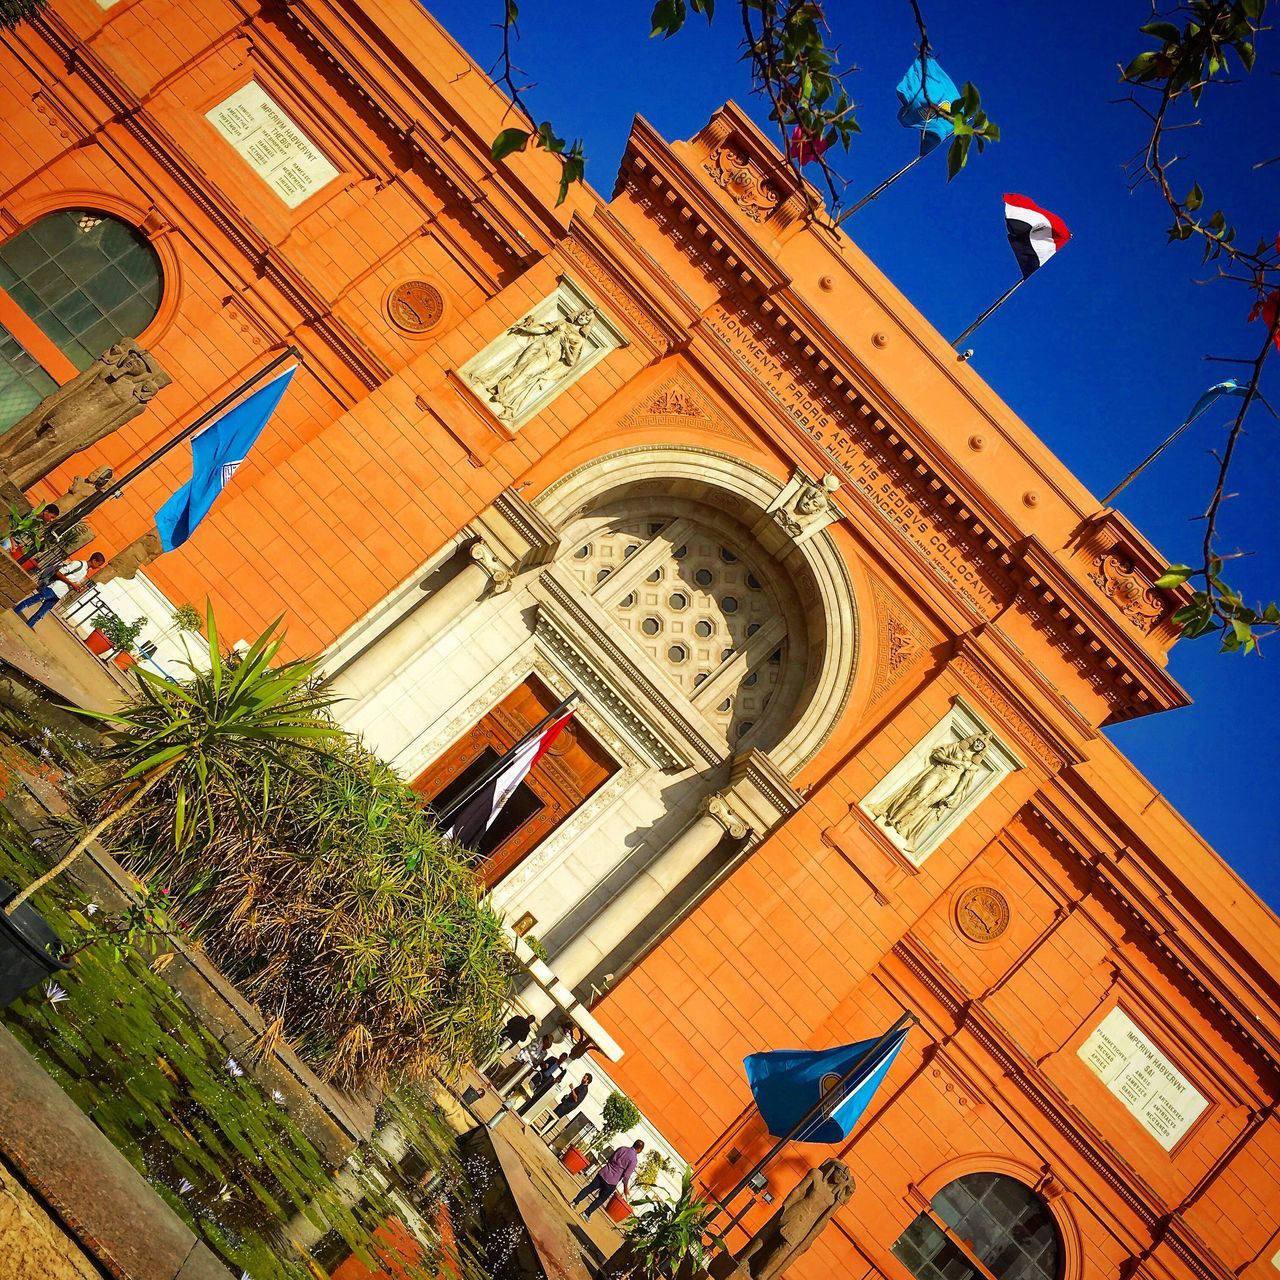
(994, 307)
(817, 1111)
(872, 195)
(1151, 457)
(82, 509)
(441, 819)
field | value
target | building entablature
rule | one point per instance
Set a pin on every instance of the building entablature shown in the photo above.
(1193, 936)
(1098, 601)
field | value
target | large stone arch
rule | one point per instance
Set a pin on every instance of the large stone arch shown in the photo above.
(698, 478)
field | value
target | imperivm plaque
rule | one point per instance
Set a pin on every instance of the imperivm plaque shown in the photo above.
(271, 144)
(1152, 1089)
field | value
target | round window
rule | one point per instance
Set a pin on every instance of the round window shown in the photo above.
(729, 604)
(677, 653)
(651, 626)
(679, 600)
(703, 577)
(704, 629)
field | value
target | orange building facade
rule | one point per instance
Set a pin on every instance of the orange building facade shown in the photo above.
(843, 631)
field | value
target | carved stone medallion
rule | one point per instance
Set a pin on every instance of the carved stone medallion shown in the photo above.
(982, 913)
(1131, 593)
(415, 306)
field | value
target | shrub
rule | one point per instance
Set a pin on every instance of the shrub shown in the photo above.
(186, 617)
(326, 892)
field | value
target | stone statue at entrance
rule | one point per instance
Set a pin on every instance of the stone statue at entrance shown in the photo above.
(797, 1224)
(116, 387)
(552, 348)
(924, 800)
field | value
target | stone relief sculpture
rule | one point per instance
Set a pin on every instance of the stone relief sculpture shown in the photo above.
(922, 802)
(115, 388)
(797, 1224)
(532, 361)
(550, 351)
(807, 506)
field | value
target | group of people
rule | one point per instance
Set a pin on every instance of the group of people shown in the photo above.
(54, 578)
(547, 1066)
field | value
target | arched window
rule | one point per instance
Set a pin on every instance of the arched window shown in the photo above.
(980, 1227)
(71, 285)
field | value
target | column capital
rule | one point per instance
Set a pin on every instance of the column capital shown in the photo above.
(483, 555)
(717, 807)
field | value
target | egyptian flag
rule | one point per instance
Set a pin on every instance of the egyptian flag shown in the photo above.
(1035, 233)
(481, 811)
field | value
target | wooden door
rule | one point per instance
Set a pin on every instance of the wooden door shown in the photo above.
(572, 768)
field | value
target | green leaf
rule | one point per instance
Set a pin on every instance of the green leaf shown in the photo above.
(1143, 66)
(1164, 31)
(1174, 576)
(667, 18)
(508, 142)
(1195, 199)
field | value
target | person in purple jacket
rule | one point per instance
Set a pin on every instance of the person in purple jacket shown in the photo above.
(617, 1171)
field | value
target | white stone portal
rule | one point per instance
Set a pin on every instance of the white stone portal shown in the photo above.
(938, 783)
(523, 369)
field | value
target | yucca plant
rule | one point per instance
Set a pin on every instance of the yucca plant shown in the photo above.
(671, 1238)
(362, 932)
(222, 731)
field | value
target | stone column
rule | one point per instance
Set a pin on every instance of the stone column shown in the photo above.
(481, 568)
(633, 905)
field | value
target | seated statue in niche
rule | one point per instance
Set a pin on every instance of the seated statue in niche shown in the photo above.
(116, 387)
(797, 1224)
(552, 349)
(950, 772)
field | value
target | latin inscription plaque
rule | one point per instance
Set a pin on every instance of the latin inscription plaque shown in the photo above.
(1153, 1091)
(271, 144)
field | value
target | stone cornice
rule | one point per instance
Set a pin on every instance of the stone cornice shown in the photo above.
(1244, 992)
(519, 219)
(1013, 1064)
(1088, 628)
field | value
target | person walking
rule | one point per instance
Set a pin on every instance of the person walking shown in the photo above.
(617, 1171)
(551, 1071)
(51, 588)
(568, 1104)
(513, 1035)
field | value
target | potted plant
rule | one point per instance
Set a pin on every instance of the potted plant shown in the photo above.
(574, 1159)
(231, 716)
(122, 636)
(618, 1207)
(652, 1167)
(98, 641)
(186, 617)
(671, 1239)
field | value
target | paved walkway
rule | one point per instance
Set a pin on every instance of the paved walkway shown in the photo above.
(53, 655)
(569, 1248)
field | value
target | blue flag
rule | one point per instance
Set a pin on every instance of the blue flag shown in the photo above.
(921, 92)
(1228, 388)
(788, 1083)
(216, 452)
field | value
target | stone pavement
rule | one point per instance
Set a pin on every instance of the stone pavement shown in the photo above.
(53, 655)
(568, 1248)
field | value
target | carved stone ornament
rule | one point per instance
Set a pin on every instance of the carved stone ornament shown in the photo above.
(116, 387)
(719, 808)
(732, 170)
(415, 306)
(499, 575)
(938, 783)
(982, 913)
(809, 1206)
(529, 364)
(806, 506)
(1131, 592)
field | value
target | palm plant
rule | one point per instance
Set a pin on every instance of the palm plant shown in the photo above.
(672, 1238)
(225, 728)
(360, 930)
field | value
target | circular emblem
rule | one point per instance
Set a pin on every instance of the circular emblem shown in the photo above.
(415, 306)
(982, 913)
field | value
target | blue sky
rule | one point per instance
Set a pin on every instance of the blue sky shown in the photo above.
(1101, 352)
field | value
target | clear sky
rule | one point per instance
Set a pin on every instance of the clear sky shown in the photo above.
(1101, 352)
